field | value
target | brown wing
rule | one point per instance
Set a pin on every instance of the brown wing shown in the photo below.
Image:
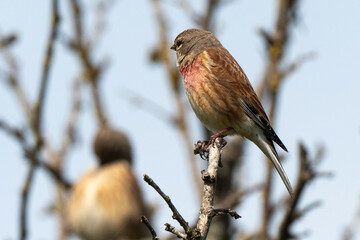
(228, 73)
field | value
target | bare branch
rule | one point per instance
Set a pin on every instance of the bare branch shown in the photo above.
(56, 174)
(70, 129)
(91, 71)
(36, 121)
(102, 7)
(146, 221)
(18, 134)
(13, 82)
(7, 41)
(222, 212)
(300, 213)
(176, 215)
(172, 229)
(209, 178)
(306, 175)
(38, 108)
(277, 42)
(24, 201)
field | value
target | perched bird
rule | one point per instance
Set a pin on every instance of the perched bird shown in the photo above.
(106, 203)
(221, 95)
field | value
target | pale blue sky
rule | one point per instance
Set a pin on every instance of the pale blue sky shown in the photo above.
(318, 105)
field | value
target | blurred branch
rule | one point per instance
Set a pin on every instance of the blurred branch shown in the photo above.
(91, 71)
(149, 106)
(48, 59)
(302, 212)
(18, 134)
(70, 129)
(350, 229)
(162, 54)
(296, 64)
(307, 174)
(233, 199)
(102, 6)
(24, 201)
(36, 120)
(205, 21)
(7, 41)
(277, 41)
(56, 175)
(57, 157)
(13, 82)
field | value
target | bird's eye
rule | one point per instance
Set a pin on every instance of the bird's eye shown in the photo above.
(178, 43)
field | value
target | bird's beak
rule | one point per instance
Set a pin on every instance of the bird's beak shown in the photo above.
(173, 47)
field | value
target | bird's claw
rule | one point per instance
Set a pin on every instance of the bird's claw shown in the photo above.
(202, 148)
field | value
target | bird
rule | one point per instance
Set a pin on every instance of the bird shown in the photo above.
(107, 203)
(221, 95)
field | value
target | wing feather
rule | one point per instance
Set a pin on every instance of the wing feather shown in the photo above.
(228, 73)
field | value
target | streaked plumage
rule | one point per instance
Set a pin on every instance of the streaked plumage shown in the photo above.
(221, 94)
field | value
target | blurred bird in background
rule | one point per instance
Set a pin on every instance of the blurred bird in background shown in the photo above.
(107, 203)
(221, 94)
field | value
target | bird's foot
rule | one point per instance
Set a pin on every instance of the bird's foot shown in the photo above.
(202, 148)
(220, 134)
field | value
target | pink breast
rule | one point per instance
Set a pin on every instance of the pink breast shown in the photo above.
(192, 76)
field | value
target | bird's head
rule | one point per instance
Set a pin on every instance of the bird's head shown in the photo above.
(192, 42)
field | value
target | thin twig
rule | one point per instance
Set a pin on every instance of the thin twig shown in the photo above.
(306, 175)
(146, 221)
(233, 199)
(13, 82)
(302, 212)
(172, 229)
(148, 105)
(56, 174)
(24, 201)
(7, 41)
(70, 129)
(16, 133)
(91, 71)
(176, 215)
(296, 64)
(222, 212)
(19, 135)
(48, 58)
(36, 120)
